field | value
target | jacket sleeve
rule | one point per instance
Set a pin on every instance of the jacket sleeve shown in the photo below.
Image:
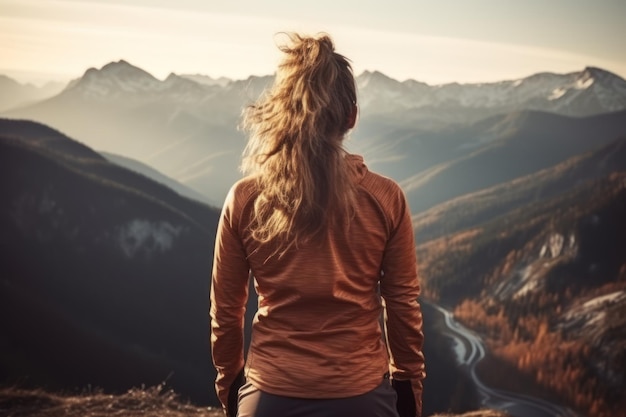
(229, 294)
(400, 290)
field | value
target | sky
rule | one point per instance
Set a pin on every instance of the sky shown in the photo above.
(433, 41)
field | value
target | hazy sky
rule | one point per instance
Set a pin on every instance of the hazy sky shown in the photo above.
(435, 41)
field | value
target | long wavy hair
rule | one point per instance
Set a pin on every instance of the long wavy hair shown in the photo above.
(295, 147)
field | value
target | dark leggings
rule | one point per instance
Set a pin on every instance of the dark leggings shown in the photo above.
(380, 402)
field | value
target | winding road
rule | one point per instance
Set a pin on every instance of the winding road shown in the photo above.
(470, 351)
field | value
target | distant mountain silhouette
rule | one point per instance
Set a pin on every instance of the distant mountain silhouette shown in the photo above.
(14, 94)
(588, 92)
(184, 129)
(105, 272)
(186, 126)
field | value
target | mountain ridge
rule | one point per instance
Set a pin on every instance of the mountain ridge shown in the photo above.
(469, 210)
(14, 94)
(521, 144)
(539, 89)
(187, 129)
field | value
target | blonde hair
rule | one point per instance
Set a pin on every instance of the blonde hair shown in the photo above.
(295, 145)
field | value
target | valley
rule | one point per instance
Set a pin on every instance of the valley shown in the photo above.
(470, 352)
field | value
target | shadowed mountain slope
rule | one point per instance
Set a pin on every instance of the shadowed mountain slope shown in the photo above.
(524, 143)
(105, 272)
(482, 206)
(545, 285)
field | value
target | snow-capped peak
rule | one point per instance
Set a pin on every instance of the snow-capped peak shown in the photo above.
(583, 93)
(587, 92)
(115, 78)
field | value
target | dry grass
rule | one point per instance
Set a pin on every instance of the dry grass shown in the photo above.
(147, 402)
(144, 402)
(478, 413)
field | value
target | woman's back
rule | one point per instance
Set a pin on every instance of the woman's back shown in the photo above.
(319, 304)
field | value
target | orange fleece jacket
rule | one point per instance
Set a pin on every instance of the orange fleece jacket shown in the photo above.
(317, 331)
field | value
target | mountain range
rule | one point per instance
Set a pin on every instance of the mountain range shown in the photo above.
(516, 189)
(588, 92)
(186, 126)
(15, 94)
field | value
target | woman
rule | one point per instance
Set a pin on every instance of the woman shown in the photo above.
(328, 243)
